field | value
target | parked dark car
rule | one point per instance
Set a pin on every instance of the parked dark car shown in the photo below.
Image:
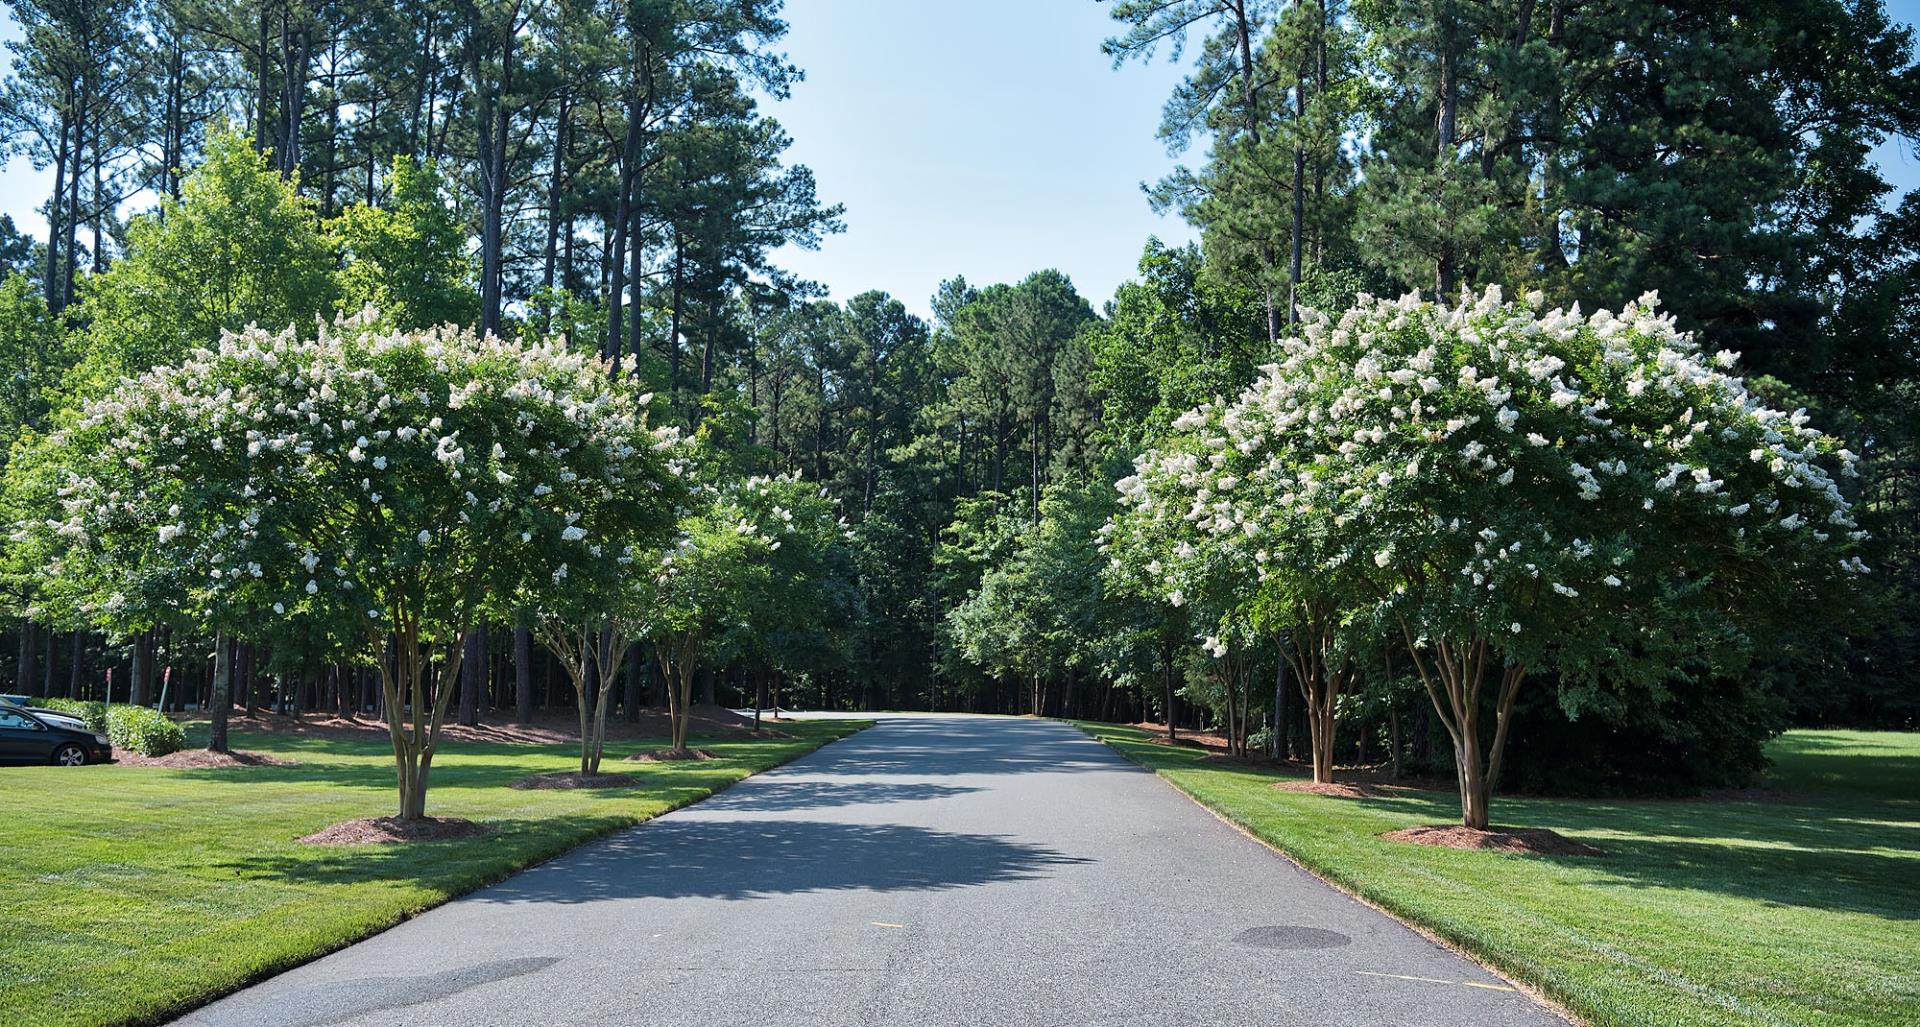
(28, 737)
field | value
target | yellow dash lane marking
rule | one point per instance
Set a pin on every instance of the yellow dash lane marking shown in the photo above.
(1403, 977)
(1436, 980)
(879, 923)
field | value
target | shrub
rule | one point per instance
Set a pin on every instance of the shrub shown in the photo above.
(91, 711)
(147, 732)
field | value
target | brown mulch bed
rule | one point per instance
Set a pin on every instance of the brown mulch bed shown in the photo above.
(671, 756)
(1336, 789)
(386, 830)
(567, 780)
(554, 725)
(1532, 841)
(191, 759)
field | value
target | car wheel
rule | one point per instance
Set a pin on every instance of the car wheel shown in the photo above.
(70, 755)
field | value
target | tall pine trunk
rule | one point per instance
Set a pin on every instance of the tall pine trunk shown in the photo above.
(222, 695)
(522, 674)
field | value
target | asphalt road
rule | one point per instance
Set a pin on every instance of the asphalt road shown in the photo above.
(929, 871)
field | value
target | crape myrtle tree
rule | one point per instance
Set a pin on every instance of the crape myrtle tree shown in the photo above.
(589, 614)
(1200, 526)
(1529, 493)
(408, 483)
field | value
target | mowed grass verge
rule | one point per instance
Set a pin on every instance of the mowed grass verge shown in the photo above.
(131, 893)
(1798, 909)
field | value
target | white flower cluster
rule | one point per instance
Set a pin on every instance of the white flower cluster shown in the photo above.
(1489, 460)
(315, 470)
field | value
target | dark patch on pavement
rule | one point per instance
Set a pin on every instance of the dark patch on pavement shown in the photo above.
(336, 1001)
(1285, 936)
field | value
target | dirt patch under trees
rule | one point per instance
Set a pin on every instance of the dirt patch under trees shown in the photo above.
(1532, 841)
(1337, 789)
(671, 756)
(193, 759)
(568, 780)
(388, 830)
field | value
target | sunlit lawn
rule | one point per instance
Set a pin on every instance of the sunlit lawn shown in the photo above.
(127, 893)
(1800, 910)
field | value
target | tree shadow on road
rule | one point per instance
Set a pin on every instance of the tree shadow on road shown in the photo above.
(767, 795)
(942, 748)
(746, 859)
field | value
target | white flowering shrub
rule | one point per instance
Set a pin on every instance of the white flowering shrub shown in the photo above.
(1514, 490)
(394, 485)
(1201, 526)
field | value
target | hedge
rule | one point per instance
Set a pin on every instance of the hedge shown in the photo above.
(147, 732)
(134, 728)
(93, 712)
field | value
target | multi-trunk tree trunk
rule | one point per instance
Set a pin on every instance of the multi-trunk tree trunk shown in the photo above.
(405, 690)
(678, 655)
(1323, 674)
(591, 655)
(1455, 674)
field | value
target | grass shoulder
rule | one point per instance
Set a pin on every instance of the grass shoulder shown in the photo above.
(134, 893)
(1798, 903)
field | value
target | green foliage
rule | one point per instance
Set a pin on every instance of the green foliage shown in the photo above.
(17, 255)
(33, 356)
(239, 247)
(1713, 733)
(407, 259)
(1176, 337)
(1040, 609)
(93, 712)
(145, 731)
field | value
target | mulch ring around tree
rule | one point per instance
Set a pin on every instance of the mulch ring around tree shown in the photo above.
(671, 756)
(385, 830)
(1335, 789)
(192, 759)
(1531, 841)
(567, 780)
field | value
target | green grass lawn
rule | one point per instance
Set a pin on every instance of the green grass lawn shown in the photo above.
(1803, 910)
(129, 893)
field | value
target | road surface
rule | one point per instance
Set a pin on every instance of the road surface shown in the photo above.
(929, 871)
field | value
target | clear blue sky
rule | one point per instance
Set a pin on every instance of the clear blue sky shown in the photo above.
(987, 138)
